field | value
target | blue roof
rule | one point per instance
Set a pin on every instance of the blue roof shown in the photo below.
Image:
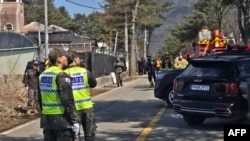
(14, 40)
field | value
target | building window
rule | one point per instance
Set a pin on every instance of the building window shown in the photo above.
(8, 26)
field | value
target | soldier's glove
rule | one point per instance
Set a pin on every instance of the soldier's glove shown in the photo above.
(76, 128)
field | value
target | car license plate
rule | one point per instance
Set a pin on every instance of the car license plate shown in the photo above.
(200, 87)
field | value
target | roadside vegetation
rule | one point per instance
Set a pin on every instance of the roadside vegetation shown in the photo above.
(12, 94)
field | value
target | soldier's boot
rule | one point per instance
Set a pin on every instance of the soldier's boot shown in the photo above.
(151, 84)
(35, 111)
(89, 138)
(29, 111)
(121, 83)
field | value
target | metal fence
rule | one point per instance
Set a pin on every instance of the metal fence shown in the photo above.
(99, 64)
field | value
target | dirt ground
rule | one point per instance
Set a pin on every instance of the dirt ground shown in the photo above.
(12, 95)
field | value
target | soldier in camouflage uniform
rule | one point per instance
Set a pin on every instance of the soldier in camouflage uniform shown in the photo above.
(151, 67)
(59, 118)
(31, 85)
(82, 81)
(118, 65)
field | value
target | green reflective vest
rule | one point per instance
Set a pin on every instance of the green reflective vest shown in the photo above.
(80, 87)
(51, 103)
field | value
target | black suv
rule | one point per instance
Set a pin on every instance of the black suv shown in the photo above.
(213, 86)
(164, 85)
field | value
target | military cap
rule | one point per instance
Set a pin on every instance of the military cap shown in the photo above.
(71, 56)
(55, 53)
(204, 27)
(35, 63)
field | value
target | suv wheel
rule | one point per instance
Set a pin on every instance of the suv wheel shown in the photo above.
(193, 120)
(169, 96)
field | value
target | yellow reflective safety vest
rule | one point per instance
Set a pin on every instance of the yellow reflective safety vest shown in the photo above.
(180, 64)
(51, 103)
(80, 86)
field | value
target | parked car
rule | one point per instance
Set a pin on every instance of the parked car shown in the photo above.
(164, 85)
(213, 86)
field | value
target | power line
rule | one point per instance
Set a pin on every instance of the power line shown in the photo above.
(83, 5)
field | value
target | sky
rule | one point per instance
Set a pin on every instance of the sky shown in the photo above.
(77, 8)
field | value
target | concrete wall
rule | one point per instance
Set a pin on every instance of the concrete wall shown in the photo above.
(107, 80)
(14, 61)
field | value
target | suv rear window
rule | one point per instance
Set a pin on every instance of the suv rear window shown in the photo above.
(209, 69)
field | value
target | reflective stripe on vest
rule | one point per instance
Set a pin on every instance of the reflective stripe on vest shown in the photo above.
(51, 102)
(80, 87)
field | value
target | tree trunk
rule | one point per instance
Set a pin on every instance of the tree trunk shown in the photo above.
(244, 21)
(133, 42)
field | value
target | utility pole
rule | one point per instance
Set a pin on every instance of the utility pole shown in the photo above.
(145, 44)
(46, 29)
(126, 39)
(41, 50)
(116, 37)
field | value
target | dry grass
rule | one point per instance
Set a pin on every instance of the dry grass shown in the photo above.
(12, 93)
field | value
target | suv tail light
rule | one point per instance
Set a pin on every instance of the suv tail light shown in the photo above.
(175, 86)
(232, 88)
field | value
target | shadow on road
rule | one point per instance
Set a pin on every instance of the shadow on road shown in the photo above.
(33, 138)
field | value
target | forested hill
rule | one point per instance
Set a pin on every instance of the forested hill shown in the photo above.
(181, 8)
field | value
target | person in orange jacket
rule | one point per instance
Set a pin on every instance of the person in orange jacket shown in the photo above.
(158, 64)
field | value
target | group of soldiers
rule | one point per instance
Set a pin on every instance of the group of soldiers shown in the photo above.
(62, 96)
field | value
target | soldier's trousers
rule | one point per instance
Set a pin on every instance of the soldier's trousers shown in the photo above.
(118, 79)
(32, 98)
(151, 75)
(58, 135)
(88, 124)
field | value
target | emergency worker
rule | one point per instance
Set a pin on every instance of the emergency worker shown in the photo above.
(180, 62)
(59, 118)
(82, 81)
(31, 85)
(158, 63)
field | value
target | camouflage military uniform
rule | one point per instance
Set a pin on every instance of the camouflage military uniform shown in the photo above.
(82, 81)
(58, 127)
(87, 117)
(118, 71)
(88, 123)
(59, 118)
(31, 81)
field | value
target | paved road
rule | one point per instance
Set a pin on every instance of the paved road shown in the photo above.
(131, 113)
(120, 113)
